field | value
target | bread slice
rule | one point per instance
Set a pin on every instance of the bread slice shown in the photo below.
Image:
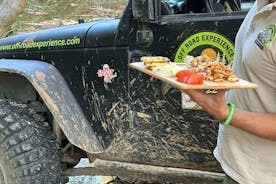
(153, 61)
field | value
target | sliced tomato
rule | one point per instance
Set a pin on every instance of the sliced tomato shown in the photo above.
(196, 78)
(183, 75)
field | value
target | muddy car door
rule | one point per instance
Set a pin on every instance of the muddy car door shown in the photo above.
(174, 136)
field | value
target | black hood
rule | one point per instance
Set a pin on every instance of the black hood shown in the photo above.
(93, 34)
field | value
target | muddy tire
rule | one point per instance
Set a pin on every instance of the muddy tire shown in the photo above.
(29, 153)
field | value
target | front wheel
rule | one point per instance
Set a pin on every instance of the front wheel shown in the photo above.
(29, 153)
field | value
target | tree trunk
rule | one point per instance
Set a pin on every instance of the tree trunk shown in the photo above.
(9, 11)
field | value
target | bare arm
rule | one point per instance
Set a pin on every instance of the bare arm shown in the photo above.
(260, 124)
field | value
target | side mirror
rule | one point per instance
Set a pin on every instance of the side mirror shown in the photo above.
(143, 10)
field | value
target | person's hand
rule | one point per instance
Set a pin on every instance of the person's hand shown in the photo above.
(215, 104)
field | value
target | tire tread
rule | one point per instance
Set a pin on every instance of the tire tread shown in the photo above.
(28, 145)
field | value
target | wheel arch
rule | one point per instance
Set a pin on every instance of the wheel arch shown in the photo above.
(47, 81)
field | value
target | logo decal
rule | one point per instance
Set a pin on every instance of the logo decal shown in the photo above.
(201, 41)
(265, 36)
(107, 73)
(29, 43)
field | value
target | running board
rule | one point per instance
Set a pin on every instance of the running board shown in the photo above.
(130, 171)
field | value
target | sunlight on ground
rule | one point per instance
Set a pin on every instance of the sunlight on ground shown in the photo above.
(88, 179)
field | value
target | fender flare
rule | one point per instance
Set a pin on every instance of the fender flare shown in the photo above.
(54, 91)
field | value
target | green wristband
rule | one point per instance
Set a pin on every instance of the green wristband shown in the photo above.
(230, 115)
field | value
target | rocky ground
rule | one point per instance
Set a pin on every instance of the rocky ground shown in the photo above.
(43, 14)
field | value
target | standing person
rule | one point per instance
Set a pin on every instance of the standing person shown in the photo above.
(246, 145)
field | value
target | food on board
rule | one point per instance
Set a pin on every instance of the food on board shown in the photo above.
(153, 61)
(197, 78)
(167, 70)
(189, 77)
(183, 75)
(194, 71)
(213, 70)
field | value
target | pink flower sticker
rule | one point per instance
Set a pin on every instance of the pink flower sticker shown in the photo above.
(107, 73)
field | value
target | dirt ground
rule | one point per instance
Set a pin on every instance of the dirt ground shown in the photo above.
(43, 14)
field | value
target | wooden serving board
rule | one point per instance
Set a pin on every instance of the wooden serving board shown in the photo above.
(241, 84)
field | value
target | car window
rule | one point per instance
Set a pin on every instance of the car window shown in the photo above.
(183, 6)
(169, 7)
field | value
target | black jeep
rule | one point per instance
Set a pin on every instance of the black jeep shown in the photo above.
(68, 93)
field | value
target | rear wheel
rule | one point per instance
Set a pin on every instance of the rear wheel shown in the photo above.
(29, 152)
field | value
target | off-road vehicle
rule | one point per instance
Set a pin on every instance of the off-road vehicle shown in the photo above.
(68, 93)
